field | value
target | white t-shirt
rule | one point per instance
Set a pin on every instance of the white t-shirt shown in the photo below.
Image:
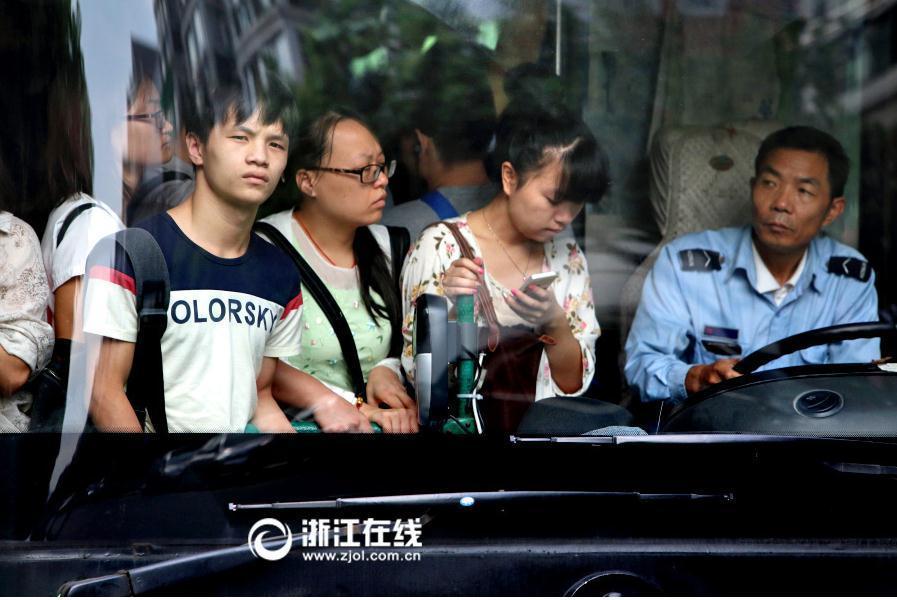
(767, 283)
(224, 316)
(69, 258)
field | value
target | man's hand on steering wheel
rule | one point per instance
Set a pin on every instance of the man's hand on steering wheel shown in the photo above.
(703, 376)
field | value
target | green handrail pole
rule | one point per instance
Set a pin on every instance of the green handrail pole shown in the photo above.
(466, 365)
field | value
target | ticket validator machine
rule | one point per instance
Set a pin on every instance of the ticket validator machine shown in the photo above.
(445, 365)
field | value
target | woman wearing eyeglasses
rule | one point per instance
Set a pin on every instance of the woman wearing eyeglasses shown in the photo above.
(148, 137)
(342, 175)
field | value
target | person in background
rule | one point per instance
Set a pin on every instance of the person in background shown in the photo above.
(146, 143)
(453, 119)
(165, 186)
(79, 221)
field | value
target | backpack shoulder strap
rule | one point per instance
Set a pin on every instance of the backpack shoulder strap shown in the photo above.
(146, 386)
(441, 205)
(318, 290)
(70, 218)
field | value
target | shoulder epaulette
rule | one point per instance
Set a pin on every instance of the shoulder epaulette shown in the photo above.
(699, 259)
(847, 266)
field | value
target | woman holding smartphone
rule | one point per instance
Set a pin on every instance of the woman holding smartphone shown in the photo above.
(550, 166)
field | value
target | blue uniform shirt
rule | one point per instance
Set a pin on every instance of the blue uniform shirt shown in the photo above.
(700, 303)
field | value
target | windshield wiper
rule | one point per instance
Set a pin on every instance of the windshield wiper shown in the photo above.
(869, 470)
(702, 438)
(143, 580)
(472, 499)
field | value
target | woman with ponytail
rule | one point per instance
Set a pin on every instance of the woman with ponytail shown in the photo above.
(342, 175)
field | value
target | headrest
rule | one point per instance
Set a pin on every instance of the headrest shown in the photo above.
(700, 175)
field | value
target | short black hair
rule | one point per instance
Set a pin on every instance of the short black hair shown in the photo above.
(809, 139)
(275, 104)
(145, 68)
(529, 138)
(453, 102)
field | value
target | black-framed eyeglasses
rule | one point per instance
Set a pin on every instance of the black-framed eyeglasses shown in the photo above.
(158, 118)
(367, 174)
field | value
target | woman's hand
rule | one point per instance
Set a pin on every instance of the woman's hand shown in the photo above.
(463, 277)
(334, 415)
(330, 411)
(392, 420)
(538, 306)
(385, 387)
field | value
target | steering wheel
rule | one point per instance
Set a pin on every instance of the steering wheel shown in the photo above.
(810, 399)
(814, 337)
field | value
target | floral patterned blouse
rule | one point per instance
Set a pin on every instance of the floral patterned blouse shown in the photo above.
(436, 249)
(24, 331)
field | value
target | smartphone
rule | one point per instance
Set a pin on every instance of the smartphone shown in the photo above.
(543, 280)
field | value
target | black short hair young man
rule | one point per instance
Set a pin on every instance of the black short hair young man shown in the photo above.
(235, 299)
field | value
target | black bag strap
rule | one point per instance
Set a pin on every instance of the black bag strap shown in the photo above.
(318, 290)
(146, 385)
(399, 243)
(70, 218)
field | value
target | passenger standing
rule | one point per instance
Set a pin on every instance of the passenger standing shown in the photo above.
(453, 117)
(342, 177)
(235, 300)
(550, 166)
(26, 339)
(80, 221)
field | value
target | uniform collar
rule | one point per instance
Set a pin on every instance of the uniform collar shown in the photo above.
(766, 281)
(5, 222)
(743, 260)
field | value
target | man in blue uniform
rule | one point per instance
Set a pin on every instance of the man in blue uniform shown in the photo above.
(714, 296)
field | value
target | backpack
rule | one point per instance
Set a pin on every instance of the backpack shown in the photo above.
(146, 389)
